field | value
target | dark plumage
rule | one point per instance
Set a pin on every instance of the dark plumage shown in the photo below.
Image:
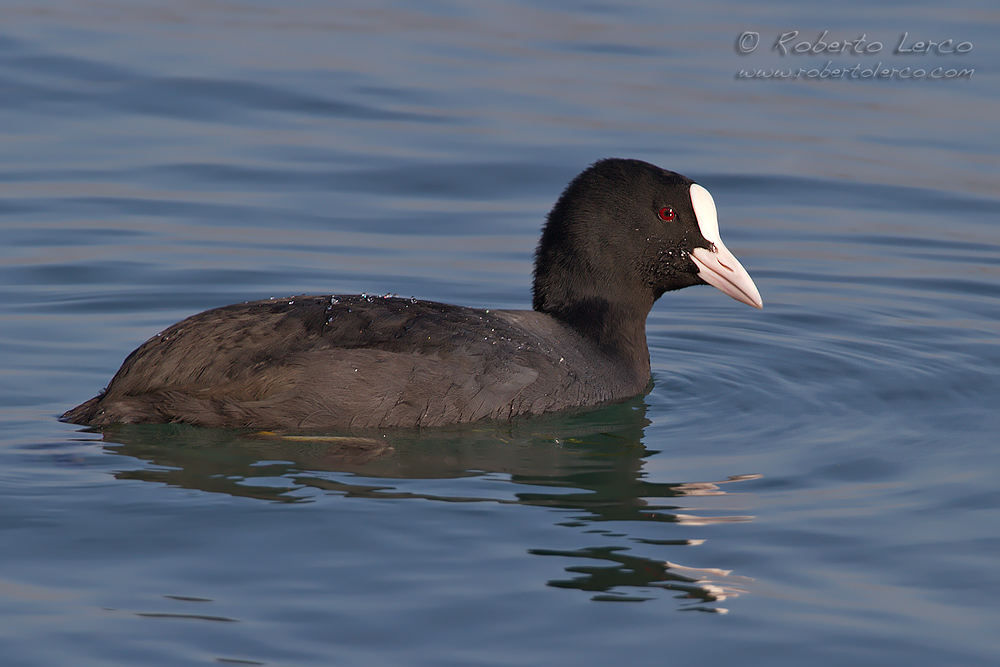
(622, 233)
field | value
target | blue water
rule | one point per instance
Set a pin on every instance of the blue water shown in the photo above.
(818, 479)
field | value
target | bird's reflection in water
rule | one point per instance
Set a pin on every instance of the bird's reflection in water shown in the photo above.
(588, 464)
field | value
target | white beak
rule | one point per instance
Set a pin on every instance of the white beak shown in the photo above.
(720, 269)
(717, 266)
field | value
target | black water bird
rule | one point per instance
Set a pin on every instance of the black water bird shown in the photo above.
(622, 234)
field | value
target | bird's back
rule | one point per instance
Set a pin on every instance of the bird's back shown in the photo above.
(313, 362)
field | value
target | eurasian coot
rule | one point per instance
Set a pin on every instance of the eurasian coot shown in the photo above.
(622, 233)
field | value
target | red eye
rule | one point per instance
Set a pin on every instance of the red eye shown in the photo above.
(667, 214)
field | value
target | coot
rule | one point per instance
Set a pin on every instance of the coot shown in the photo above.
(621, 234)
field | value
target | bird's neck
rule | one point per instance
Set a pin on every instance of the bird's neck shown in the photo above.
(617, 328)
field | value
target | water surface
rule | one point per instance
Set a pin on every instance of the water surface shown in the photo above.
(811, 482)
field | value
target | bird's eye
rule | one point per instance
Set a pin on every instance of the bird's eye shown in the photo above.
(667, 214)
